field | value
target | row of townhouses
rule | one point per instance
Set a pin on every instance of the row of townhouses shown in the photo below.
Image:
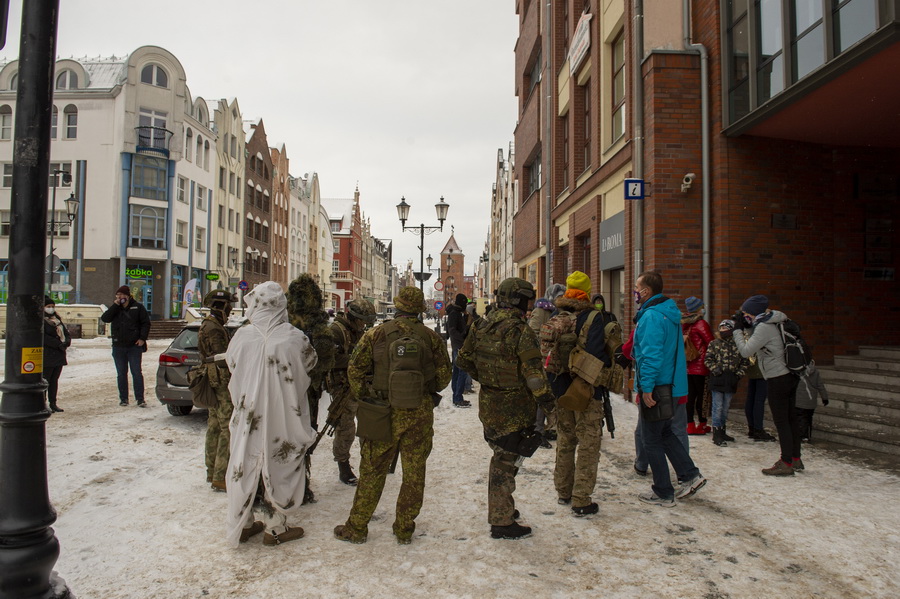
(172, 194)
(738, 146)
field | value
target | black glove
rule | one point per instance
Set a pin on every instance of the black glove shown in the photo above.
(824, 402)
(547, 402)
(739, 322)
(620, 359)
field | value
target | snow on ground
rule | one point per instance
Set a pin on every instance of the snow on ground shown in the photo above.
(137, 519)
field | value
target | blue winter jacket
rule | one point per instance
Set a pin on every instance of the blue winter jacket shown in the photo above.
(659, 347)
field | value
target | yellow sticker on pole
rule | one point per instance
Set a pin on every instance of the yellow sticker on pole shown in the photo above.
(32, 360)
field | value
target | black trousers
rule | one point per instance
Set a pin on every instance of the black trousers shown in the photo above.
(696, 388)
(804, 421)
(51, 374)
(782, 402)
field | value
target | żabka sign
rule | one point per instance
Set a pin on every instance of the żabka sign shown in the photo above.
(138, 273)
(581, 42)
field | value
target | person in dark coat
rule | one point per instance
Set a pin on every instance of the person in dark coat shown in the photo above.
(56, 340)
(457, 326)
(130, 329)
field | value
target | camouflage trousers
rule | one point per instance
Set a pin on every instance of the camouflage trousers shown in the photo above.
(345, 432)
(218, 436)
(501, 485)
(412, 434)
(577, 452)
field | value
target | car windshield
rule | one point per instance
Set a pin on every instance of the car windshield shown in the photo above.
(186, 339)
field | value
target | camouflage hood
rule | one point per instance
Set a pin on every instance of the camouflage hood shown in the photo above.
(304, 303)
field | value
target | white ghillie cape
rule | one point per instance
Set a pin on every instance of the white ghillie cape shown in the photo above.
(270, 430)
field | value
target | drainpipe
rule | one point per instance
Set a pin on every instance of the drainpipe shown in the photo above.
(549, 81)
(704, 145)
(637, 155)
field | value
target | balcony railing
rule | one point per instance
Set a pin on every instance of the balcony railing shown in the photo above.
(342, 275)
(153, 140)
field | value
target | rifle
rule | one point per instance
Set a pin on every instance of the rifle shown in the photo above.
(608, 414)
(335, 411)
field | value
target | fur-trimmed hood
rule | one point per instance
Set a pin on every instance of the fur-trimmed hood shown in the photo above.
(571, 304)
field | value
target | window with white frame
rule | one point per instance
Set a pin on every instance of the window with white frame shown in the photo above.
(148, 177)
(219, 255)
(4, 223)
(6, 122)
(188, 144)
(67, 80)
(335, 265)
(337, 246)
(200, 239)
(206, 155)
(7, 174)
(221, 219)
(181, 233)
(54, 118)
(14, 82)
(200, 202)
(153, 74)
(182, 190)
(148, 227)
(618, 87)
(70, 122)
(65, 167)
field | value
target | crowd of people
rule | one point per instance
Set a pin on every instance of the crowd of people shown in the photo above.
(545, 368)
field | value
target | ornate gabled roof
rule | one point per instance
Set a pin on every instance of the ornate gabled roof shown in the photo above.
(452, 247)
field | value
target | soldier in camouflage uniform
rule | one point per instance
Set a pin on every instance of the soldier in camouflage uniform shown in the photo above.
(411, 429)
(502, 353)
(346, 330)
(212, 341)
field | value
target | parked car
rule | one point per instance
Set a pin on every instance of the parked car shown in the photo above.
(171, 376)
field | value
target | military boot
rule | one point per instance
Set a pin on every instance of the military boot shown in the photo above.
(345, 473)
(513, 531)
(726, 436)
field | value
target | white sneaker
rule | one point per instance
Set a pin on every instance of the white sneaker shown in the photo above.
(688, 488)
(651, 498)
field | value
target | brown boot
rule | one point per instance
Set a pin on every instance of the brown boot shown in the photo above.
(218, 485)
(344, 533)
(290, 534)
(253, 530)
(779, 469)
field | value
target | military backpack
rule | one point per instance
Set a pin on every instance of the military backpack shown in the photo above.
(558, 339)
(404, 365)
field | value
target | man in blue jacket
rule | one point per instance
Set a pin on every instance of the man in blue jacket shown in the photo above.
(659, 360)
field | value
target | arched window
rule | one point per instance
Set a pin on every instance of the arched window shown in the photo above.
(249, 226)
(188, 144)
(206, 154)
(199, 152)
(67, 80)
(54, 118)
(6, 122)
(14, 81)
(70, 116)
(153, 74)
(148, 227)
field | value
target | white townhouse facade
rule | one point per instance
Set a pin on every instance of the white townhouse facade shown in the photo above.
(145, 187)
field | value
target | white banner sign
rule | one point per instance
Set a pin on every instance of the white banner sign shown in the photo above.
(581, 42)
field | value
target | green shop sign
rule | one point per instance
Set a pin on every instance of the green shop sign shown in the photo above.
(212, 276)
(139, 273)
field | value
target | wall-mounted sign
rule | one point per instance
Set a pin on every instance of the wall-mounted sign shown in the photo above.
(581, 42)
(612, 242)
(138, 273)
(634, 189)
(212, 276)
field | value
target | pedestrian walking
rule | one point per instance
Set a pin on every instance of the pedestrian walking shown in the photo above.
(56, 342)
(130, 324)
(457, 327)
(270, 361)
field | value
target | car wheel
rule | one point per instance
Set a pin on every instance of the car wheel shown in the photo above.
(179, 410)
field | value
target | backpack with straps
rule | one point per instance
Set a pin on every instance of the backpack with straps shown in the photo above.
(404, 365)
(797, 355)
(558, 339)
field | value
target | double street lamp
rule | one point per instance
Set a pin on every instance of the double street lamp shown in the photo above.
(72, 204)
(441, 209)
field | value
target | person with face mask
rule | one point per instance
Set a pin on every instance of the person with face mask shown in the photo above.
(726, 367)
(212, 342)
(56, 341)
(130, 328)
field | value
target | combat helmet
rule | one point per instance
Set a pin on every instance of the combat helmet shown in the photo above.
(219, 300)
(515, 292)
(361, 309)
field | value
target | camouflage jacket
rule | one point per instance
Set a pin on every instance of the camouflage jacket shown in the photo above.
(360, 371)
(345, 338)
(212, 339)
(316, 330)
(503, 341)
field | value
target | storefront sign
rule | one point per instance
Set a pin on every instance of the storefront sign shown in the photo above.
(139, 272)
(612, 242)
(581, 42)
(212, 276)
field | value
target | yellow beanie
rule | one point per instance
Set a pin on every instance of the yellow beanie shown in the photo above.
(579, 280)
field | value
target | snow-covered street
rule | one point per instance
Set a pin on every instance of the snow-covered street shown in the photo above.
(137, 519)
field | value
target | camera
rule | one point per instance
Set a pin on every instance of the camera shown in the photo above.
(687, 180)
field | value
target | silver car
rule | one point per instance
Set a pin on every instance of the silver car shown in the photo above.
(171, 376)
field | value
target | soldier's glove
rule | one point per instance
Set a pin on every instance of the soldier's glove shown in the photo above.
(547, 403)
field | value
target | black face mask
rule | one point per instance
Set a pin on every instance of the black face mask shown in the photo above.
(726, 334)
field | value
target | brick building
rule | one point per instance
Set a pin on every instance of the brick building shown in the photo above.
(780, 179)
(257, 206)
(281, 194)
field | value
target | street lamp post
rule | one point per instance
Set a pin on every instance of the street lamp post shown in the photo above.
(71, 211)
(441, 209)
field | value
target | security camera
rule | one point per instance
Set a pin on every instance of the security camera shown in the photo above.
(686, 181)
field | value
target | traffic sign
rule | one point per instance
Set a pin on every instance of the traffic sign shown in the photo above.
(438, 286)
(61, 287)
(438, 305)
(51, 263)
(243, 286)
(634, 189)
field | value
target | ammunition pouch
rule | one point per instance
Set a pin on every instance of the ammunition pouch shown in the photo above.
(373, 421)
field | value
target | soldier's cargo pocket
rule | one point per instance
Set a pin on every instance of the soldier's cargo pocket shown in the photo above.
(373, 422)
(406, 389)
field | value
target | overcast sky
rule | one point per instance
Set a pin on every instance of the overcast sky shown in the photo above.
(403, 97)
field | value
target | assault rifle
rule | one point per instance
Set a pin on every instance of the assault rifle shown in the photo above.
(335, 411)
(608, 414)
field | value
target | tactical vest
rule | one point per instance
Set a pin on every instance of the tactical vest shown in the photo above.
(404, 364)
(498, 362)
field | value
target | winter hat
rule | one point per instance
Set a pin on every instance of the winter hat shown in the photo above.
(579, 280)
(124, 289)
(461, 300)
(544, 304)
(410, 300)
(726, 324)
(48, 301)
(693, 304)
(554, 291)
(755, 305)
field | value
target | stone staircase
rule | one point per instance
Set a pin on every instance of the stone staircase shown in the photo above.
(165, 329)
(864, 394)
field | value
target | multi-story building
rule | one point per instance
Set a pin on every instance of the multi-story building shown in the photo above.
(504, 203)
(258, 169)
(311, 243)
(227, 238)
(345, 221)
(281, 194)
(764, 134)
(453, 265)
(382, 284)
(121, 126)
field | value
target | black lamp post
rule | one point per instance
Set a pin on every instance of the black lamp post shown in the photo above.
(28, 546)
(72, 204)
(403, 212)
